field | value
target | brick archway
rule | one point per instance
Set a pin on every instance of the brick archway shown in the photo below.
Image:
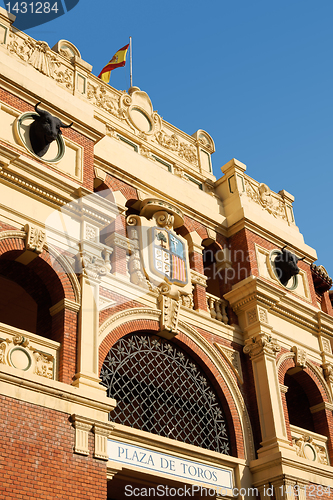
(315, 388)
(201, 351)
(54, 290)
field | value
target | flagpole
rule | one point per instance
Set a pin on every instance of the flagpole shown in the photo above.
(131, 63)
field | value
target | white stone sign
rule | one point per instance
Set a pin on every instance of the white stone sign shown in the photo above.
(212, 477)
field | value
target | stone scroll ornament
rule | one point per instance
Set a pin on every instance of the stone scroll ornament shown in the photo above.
(43, 130)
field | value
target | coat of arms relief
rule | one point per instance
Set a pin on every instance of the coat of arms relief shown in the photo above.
(160, 260)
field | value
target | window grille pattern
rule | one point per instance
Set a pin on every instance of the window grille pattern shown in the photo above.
(160, 389)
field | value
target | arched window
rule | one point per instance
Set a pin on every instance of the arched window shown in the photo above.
(298, 404)
(160, 389)
(25, 301)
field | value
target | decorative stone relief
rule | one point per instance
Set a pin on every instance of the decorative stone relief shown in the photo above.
(261, 344)
(18, 353)
(233, 359)
(92, 266)
(306, 447)
(170, 314)
(251, 316)
(111, 132)
(326, 345)
(183, 149)
(146, 153)
(300, 356)
(35, 238)
(42, 58)
(187, 301)
(103, 98)
(91, 233)
(268, 200)
(263, 315)
(136, 108)
(135, 269)
(328, 372)
(180, 173)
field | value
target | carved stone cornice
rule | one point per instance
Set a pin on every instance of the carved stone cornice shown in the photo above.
(321, 406)
(198, 278)
(118, 240)
(64, 304)
(261, 344)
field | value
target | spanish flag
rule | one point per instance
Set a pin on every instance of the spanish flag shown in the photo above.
(118, 60)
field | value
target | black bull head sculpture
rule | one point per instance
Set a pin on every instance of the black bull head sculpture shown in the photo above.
(43, 130)
(286, 265)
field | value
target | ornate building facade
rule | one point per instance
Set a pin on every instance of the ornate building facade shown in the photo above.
(147, 339)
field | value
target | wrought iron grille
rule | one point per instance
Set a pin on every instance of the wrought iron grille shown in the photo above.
(160, 389)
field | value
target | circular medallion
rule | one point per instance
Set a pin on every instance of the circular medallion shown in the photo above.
(140, 119)
(292, 283)
(20, 359)
(309, 452)
(21, 131)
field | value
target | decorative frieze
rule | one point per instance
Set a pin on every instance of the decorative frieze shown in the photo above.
(306, 446)
(183, 149)
(261, 344)
(39, 55)
(267, 199)
(28, 352)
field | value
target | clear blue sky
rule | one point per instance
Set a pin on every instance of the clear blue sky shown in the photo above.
(257, 75)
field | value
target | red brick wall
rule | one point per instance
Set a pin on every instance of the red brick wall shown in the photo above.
(121, 304)
(115, 184)
(37, 459)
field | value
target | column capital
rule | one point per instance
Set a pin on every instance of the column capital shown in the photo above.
(261, 344)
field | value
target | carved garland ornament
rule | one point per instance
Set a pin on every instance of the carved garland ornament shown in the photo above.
(263, 196)
(183, 149)
(42, 58)
(306, 448)
(18, 353)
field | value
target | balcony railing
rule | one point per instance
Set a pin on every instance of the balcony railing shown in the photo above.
(27, 352)
(217, 308)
